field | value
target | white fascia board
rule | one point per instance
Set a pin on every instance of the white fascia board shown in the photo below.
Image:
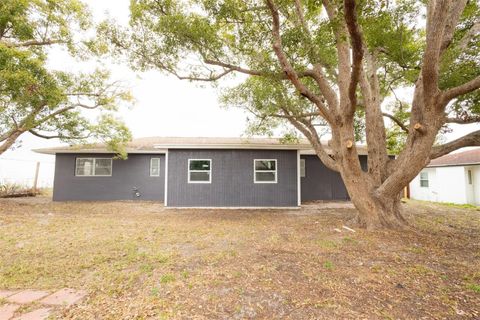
(95, 151)
(232, 146)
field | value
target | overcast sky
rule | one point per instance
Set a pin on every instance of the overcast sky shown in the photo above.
(164, 106)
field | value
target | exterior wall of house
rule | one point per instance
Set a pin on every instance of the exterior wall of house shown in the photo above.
(446, 184)
(476, 184)
(232, 179)
(469, 187)
(321, 183)
(429, 193)
(126, 175)
(452, 184)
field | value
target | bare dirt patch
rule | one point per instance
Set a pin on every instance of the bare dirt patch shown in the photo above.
(138, 260)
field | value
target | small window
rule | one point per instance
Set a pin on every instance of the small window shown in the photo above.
(154, 167)
(302, 168)
(424, 179)
(265, 171)
(199, 170)
(470, 178)
(85, 167)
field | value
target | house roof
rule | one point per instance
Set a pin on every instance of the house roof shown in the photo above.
(457, 159)
(161, 144)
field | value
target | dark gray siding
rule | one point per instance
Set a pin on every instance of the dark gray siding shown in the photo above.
(126, 174)
(232, 179)
(321, 183)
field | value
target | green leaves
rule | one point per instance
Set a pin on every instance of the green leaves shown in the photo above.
(211, 40)
(51, 103)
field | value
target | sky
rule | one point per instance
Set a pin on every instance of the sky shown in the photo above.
(165, 106)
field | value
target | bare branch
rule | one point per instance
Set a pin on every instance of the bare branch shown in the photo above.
(35, 133)
(32, 43)
(472, 32)
(463, 119)
(470, 140)
(396, 120)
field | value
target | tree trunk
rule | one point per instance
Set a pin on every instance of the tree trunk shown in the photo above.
(375, 212)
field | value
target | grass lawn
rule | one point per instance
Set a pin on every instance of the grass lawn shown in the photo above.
(138, 260)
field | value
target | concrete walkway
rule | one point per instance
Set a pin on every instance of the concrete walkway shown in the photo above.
(38, 303)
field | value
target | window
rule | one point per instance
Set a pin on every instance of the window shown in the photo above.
(424, 179)
(85, 167)
(154, 167)
(199, 170)
(470, 178)
(302, 168)
(265, 171)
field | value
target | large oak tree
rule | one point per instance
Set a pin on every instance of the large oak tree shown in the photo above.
(52, 103)
(334, 62)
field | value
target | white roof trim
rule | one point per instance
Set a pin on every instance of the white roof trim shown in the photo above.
(233, 146)
(467, 164)
(129, 151)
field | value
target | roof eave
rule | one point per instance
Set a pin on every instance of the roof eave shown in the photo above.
(454, 165)
(234, 146)
(99, 151)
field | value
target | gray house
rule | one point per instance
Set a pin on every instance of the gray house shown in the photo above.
(198, 172)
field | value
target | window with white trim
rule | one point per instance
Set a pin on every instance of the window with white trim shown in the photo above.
(265, 171)
(302, 168)
(87, 167)
(424, 179)
(199, 170)
(154, 167)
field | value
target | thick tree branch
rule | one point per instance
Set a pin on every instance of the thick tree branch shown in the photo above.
(287, 67)
(357, 51)
(311, 134)
(437, 14)
(469, 140)
(465, 88)
(452, 22)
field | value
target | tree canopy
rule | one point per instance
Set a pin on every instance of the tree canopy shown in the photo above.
(52, 103)
(337, 63)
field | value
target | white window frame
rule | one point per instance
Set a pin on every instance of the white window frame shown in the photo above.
(428, 180)
(255, 171)
(93, 170)
(303, 165)
(151, 166)
(209, 171)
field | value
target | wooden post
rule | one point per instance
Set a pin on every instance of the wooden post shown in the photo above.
(35, 180)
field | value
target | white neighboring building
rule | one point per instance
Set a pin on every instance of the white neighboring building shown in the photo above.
(453, 178)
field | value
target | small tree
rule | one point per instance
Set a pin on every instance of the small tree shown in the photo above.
(332, 62)
(49, 103)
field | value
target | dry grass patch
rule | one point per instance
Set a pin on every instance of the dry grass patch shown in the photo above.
(138, 260)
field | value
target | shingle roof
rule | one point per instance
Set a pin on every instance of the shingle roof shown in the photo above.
(456, 159)
(161, 144)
